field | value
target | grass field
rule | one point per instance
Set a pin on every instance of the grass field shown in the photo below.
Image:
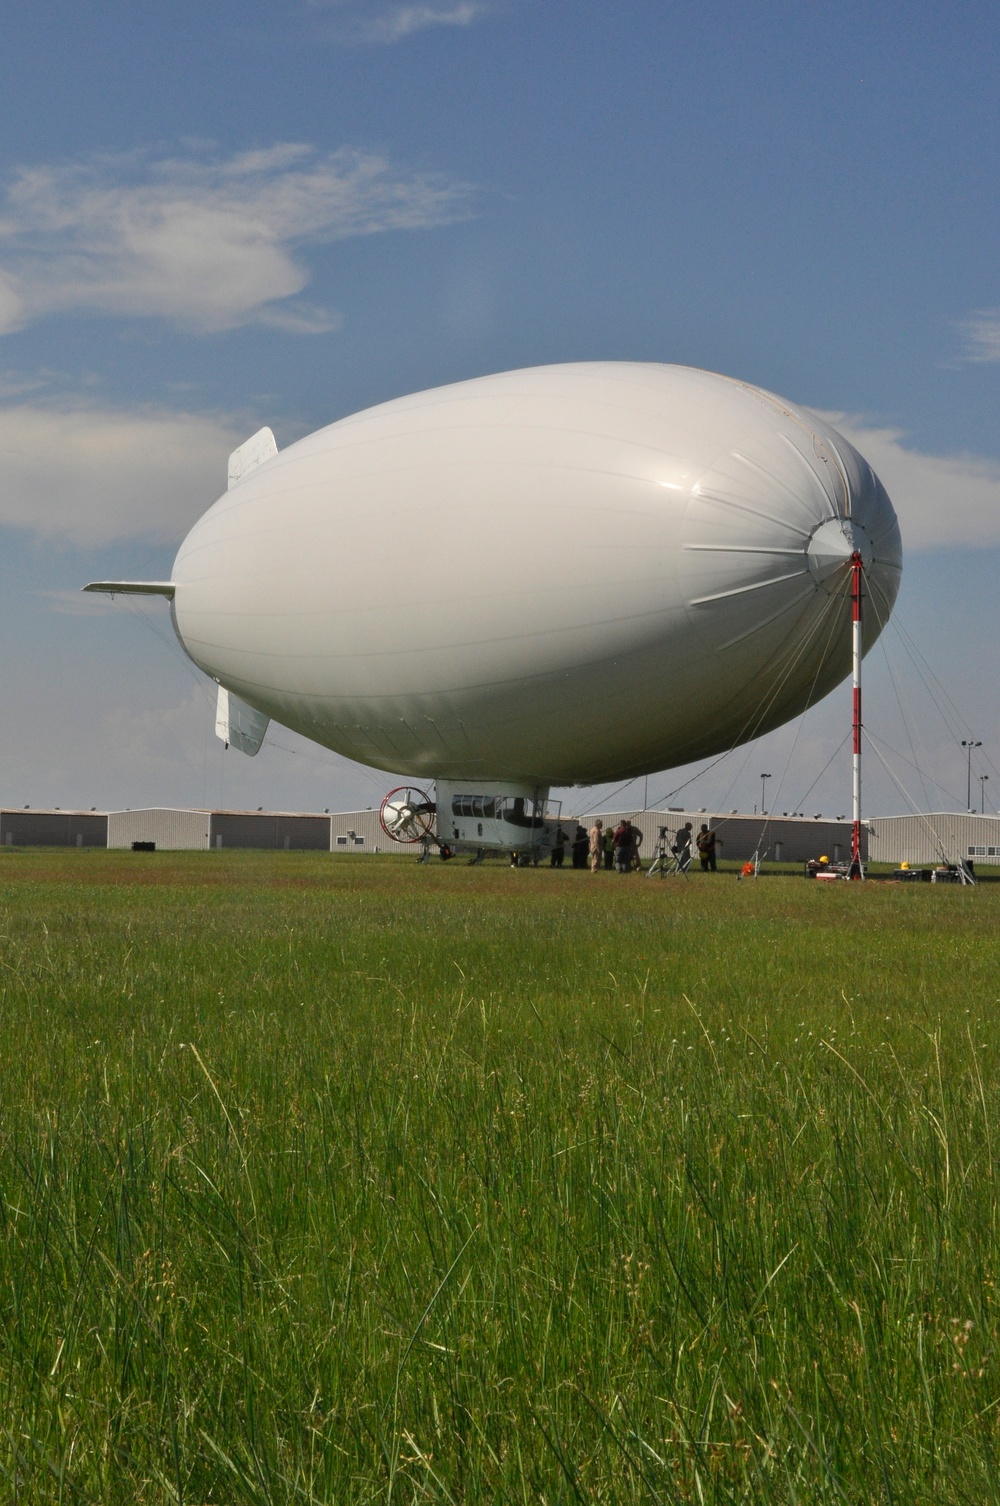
(345, 1180)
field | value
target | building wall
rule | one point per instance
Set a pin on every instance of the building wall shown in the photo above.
(171, 830)
(361, 831)
(785, 839)
(942, 836)
(53, 829)
(269, 830)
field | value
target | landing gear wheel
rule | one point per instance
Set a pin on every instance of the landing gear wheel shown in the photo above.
(407, 814)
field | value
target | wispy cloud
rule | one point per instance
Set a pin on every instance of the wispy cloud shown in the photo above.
(93, 476)
(942, 501)
(207, 242)
(360, 21)
(981, 332)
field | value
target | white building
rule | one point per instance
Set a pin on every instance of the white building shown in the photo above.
(941, 836)
(361, 831)
(173, 830)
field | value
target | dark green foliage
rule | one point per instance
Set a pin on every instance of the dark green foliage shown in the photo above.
(336, 1180)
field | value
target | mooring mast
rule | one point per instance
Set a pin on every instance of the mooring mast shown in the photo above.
(857, 870)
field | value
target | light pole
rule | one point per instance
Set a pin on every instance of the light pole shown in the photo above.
(763, 778)
(982, 793)
(968, 744)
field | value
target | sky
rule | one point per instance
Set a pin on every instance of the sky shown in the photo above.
(218, 217)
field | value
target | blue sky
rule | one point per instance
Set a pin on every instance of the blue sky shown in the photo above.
(217, 217)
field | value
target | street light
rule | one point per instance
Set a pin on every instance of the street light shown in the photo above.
(982, 793)
(763, 777)
(968, 744)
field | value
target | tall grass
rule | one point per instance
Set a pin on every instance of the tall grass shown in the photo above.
(337, 1180)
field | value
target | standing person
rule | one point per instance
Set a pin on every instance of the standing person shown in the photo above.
(596, 845)
(706, 842)
(636, 861)
(558, 850)
(682, 847)
(581, 847)
(623, 845)
(609, 849)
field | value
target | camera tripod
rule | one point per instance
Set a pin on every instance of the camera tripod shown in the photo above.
(665, 860)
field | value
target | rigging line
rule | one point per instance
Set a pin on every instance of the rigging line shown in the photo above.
(792, 663)
(750, 728)
(756, 717)
(932, 691)
(749, 747)
(916, 657)
(776, 690)
(915, 767)
(669, 795)
(728, 793)
(605, 800)
(834, 624)
(846, 738)
(170, 644)
(915, 654)
(983, 757)
(812, 688)
(373, 779)
(935, 839)
(918, 759)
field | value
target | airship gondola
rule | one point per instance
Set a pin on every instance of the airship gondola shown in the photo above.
(562, 575)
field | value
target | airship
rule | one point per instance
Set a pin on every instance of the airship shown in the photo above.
(564, 575)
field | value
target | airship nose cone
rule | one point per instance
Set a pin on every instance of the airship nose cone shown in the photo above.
(832, 545)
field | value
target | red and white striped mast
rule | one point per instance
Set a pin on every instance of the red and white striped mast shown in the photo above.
(857, 870)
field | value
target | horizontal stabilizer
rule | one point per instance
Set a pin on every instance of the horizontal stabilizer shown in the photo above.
(254, 451)
(132, 587)
(239, 725)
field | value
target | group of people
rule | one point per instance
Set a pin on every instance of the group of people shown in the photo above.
(619, 848)
(577, 847)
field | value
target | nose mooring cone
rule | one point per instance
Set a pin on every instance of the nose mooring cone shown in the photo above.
(831, 547)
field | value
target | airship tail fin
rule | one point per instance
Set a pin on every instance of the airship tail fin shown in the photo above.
(253, 451)
(238, 725)
(132, 587)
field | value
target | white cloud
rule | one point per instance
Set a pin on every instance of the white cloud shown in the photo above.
(210, 243)
(982, 335)
(393, 20)
(96, 475)
(942, 501)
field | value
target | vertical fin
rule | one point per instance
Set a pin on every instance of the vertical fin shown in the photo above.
(253, 451)
(238, 724)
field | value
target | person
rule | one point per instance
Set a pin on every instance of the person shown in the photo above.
(609, 849)
(636, 861)
(596, 845)
(558, 850)
(682, 847)
(581, 847)
(705, 842)
(623, 846)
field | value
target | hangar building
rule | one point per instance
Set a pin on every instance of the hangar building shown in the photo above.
(920, 839)
(176, 830)
(55, 828)
(950, 836)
